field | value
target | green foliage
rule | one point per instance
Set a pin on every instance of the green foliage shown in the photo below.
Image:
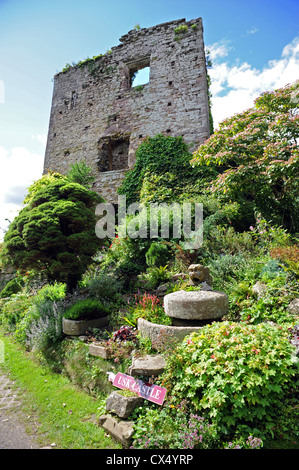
(235, 373)
(13, 286)
(101, 286)
(42, 183)
(157, 254)
(86, 309)
(155, 276)
(289, 256)
(86, 371)
(82, 63)
(125, 259)
(14, 309)
(39, 325)
(173, 428)
(50, 292)
(146, 306)
(54, 232)
(162, 171)
(182, 29)
(82, 174)
(44, 333)
(255, 154)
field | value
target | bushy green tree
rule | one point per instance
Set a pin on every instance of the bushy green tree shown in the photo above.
(55, 231)
(256, 156)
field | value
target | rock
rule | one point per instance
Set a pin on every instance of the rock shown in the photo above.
(293, 307)
(259, 289)
(177, 277)
(147, 366)
(96, 349)
(162, 289)
(122, 405)
(205, 286)
(122, 431)
(164, 336)
(198, 274)
(196, 305)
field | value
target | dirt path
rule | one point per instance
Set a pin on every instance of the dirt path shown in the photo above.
(13, 433)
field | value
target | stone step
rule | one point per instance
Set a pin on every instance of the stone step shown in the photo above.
(121, 430)
(147, 366)
(96, 349)
(122, 406)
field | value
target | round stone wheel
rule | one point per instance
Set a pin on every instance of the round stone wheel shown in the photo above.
(196, 305)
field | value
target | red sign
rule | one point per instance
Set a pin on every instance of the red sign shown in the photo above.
(150, 392)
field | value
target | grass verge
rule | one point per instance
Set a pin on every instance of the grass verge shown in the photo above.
(65, 414)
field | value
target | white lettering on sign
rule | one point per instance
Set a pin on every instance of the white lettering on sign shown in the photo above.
(152, 393)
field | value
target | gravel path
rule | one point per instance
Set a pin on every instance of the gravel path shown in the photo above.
(13, 434)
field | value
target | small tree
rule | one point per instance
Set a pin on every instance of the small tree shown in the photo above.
(256, 156)
(81, 173)
(55, 231)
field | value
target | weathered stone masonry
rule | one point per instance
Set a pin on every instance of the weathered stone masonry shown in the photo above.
(98, 116)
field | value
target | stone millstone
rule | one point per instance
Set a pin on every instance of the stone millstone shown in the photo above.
(121, 405)
(147, 366)
(164, 336)
(196, 305)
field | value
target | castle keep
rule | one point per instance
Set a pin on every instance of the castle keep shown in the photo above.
(98, 114)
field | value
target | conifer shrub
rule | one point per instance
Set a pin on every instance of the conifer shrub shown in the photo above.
(157, 254)
(86, 309)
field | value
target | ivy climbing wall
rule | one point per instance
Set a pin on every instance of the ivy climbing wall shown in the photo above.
(99, 115)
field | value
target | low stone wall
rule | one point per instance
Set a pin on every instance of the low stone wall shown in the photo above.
(5, 276)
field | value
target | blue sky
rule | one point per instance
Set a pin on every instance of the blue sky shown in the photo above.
(254, 45)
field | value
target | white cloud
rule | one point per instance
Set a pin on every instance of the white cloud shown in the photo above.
(19, 168)
(252, 30)
(42, 138)
(218, 49)
(234, 88)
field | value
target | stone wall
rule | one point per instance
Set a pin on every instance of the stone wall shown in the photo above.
(98, 116)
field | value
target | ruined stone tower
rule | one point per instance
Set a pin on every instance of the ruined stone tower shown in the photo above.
(98, 114)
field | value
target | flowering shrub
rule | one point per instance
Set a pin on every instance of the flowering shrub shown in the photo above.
(250, 443)
(173, 428)
(236, 373)
(46, 331)
(289, 255)
(294, 336)
(149, 307)
(256, 156)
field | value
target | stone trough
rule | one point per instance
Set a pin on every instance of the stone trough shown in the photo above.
(80, 327)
